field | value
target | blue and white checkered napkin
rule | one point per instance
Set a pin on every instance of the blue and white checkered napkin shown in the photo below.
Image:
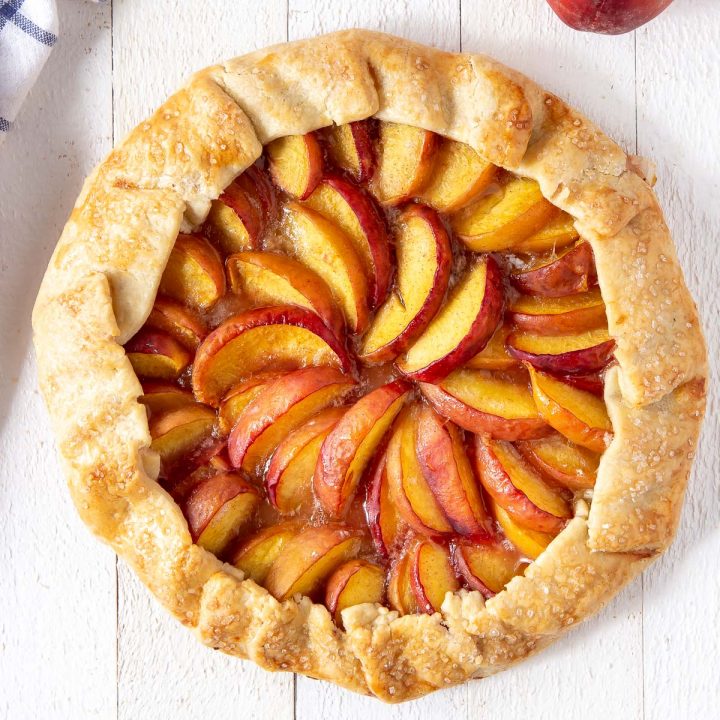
(28, 30)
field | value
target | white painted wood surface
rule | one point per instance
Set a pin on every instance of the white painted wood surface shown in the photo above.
(79, 636)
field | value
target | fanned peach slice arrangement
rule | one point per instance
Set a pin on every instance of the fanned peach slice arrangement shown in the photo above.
(375, 373)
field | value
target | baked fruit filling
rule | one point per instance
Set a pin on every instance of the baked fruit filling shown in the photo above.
(375, 374)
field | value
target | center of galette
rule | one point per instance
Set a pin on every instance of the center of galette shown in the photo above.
(375, 374)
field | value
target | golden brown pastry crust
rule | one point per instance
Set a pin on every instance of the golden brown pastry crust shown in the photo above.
(101, 283)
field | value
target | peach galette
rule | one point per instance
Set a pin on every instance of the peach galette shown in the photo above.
(375, 362)
(375, 373)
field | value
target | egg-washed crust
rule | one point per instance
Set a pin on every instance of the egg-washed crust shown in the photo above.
(102, 279)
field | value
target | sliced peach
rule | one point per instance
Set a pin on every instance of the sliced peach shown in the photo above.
(281, 407)
(558, 233)
(431, 576)
(351, 148)
(179, 432)
(353, 583)
(409, 489)
(256, 182)
(518, 488)
(296, 164)
(494, 356)
(405, 161)
(559, 315)
(257, 554)
(529, 542)
(462, 327)
(487, 566)
(481, 402)
(578, 415)
(591, 382)
(424, 260)
(352, 443)
(573, 466)
(183, 323)
(570, 271)
(505, 217)
(323, 247)
(157, 355)
(281, 338)
(271, 279)
(159, 397)
(580, 352)
(289, 478)
(194, 273)
(355, 213)
(239, 397)
(458, 176)
(386, 525)
(219, 508)
(445, 465)
(308, 559)
(399, 591)
(236, 219)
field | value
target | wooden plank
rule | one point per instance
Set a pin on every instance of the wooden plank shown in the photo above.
(57, 625)
(163, 670)
(438, 24)
(678, 81)
(596, 75)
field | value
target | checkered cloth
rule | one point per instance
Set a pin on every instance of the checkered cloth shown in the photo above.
(28, 31)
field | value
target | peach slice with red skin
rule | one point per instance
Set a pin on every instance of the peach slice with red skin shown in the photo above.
(555, 456)
(558, 233)
(461, 328)
(178, 433)
(239, 397)
(459, 175)
(281, 407)
(194, 273)
(353, 583)
(257, 182)
(271, 279)
(409, 490)
(281, 337)
(578, 415)
(431, 576)
(518, 488)
(183, 323)
(582, 352)
(295, 164)
(558, 315)
(289, 478)
(590, 382)
(485, 566)
(155, 354)
(571, 271)
(502, 219)
(236, 219)
(308, 559)
(529, 542)
(355, 213)
(351, 444)
(386, 525)
(399, 590)
(323, 247)
(351, 148)
(445, 465)
(257, 553)
(404, 162)
(159, 397)
(481, 402)
(424, 261)
(219, 508)
(495, 356)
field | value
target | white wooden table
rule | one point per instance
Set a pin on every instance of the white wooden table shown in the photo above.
(79, 636)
